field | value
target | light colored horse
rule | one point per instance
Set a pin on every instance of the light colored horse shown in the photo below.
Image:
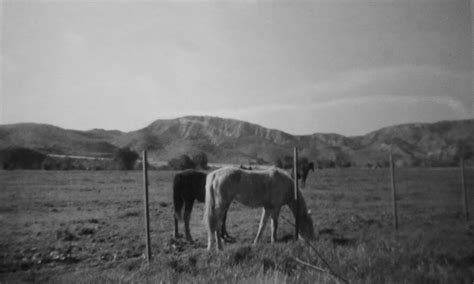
(270, 189)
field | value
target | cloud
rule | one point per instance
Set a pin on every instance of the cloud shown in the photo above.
(397, 81)
(403, 85)
(455, 105)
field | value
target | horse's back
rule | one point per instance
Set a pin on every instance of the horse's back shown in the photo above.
(251, 188)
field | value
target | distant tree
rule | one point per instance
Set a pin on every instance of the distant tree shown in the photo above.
(200, 161)
(182, 163)
(49, 164)
(463, 150)
(261, 161)
(20, 158)
(125, 158)
(279, 163)
(66, 164)
(288, 162)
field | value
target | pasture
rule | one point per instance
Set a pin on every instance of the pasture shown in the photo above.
(78, 226)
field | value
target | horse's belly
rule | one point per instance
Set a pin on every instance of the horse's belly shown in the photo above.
(251, 201)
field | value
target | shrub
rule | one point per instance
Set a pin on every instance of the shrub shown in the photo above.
(21, 158)
(50, 164)
(125, 158)
(182, 163)
(288, 162)
(279, 163)
(200, 161)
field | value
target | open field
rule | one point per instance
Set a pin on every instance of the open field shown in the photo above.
(88, 227)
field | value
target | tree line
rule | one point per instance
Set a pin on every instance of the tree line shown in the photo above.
(183, 162)
(127, 159)
(23, 158)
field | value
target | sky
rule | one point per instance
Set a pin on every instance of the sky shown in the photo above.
(341, 66)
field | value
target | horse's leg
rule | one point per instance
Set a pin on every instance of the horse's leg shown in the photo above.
(176, 234)
(210, 235)
(225, 235)
(188, 207)
(223, 228)
(178, 205)
(263, 222)
(211, 228)
(219, 241)
(221, 212)
(275, 215)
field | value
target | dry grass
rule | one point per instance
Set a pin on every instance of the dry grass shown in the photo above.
(87, 227)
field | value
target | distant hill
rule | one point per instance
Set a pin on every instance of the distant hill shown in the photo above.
(234, 141)
(51, 139)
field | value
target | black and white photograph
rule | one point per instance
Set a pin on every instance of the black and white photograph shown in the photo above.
(236, 141)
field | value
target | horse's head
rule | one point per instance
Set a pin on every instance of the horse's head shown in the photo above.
(306, 227)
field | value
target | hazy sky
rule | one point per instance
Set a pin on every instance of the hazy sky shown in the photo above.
(347, 67)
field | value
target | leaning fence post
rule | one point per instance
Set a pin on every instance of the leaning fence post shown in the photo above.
(147, 215)
(295, 175)
(394, 195)
(464, 192)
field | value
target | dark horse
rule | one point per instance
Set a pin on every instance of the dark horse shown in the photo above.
(303, 170)
(188, 186)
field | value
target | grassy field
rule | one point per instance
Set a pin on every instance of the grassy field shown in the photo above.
(88, 227)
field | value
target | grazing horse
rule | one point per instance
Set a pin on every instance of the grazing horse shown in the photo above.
(303, 170)
(270, 189)
(188, 186)
(302, 173)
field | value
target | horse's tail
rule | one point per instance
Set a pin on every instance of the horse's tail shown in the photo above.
(178, 200)
(210, 204)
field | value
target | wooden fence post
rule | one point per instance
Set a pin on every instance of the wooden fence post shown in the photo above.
(394, 194)
(147, 215)
(464, 192)
(295, 174)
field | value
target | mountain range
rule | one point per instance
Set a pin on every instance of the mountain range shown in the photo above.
(234, 141)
